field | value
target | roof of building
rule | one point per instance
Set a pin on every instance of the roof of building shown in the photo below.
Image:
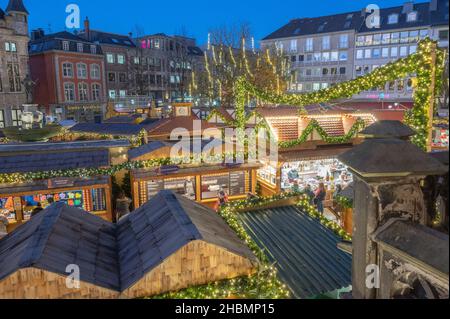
(62, 236)
(137, 152)
(304, 251)
(161, 227)
(118, 129)
(390, 157)
(17, 6)
(442, 157)
(61, 146)
(127, 119)
(423, 244)
(54, 41)
(326, 24)
(43, 161)
(108, 38)
(167, 125)
(114, 256)
(381, 129)
(356, 21)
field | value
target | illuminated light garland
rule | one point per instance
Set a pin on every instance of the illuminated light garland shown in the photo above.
(418, 63)
(345, 202)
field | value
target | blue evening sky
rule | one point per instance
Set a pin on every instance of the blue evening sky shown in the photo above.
(196, 16)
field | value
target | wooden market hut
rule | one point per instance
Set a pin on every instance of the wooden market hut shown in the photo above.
(92, 193)
(136, 133)
(168, 244)
(200, 181)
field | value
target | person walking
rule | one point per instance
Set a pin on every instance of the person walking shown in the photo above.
(37, 210)
(122, 206)
(320, 195)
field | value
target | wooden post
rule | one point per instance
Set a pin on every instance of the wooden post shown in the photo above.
(432, 98)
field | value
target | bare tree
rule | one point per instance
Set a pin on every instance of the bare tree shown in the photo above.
(137, 71)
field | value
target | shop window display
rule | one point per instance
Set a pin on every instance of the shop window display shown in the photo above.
(7, 208)
(30, 202)
(295, 176)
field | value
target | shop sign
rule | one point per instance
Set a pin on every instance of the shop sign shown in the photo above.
(60, 183)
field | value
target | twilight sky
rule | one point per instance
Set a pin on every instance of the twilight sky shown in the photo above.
(196, 16)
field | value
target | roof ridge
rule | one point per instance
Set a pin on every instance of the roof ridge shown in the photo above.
(38, 240)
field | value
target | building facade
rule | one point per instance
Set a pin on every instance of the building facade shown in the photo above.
(331, 49)
(69, 74)
(13, 63)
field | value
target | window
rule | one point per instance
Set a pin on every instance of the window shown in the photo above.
(301, 58)
(316, 71)
(403, 51)
(412, 49)
(82, 71)
(366, 69)
(293, 58)
(293, 45)
(308, 86)
(414, 36)
(360, 41)
(395, 37)
(400, 85)
(367, 53)
(68, 70)
(123, 93)
(391, 86)
(69, 92)
(324, 71)
(122, 77)
(333, 71)
(95, 71)
(423, 33)
(359, 54)
(93, 49)
(15, 83)
(409, 84)
(376, 53)
(324, 85)
(316, 86)
(393, 18)
(83, 91)
(443, 35)
(343, 41)
(309, 57)
(112, 94)
(404, 37)
(120, 59)
(136, 60)
(317, 57)
(308, 72)
(2, 119)
(16, 116)
(309, 44)
(66, 46)
(376, 39)
(358, 70)
(334, 56)
(110, 58)
(412, 16)
(394, 52)
(386, 38)
(368, 40)
(80, 47)
(112, 77)
(326, 43)
(385, 52)
(342, 70)
(10, 47)
(326, 56)
(343, 56)
(96, 92)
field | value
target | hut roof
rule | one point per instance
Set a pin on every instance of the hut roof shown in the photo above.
(61, 236)
(168, 125)
(164, 225)
(304, 251)
(123, 129)
(390, 157)
(114, 256)
(382, 129)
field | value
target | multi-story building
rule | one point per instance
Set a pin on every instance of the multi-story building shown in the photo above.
(69, 74)
(396, 37)
(162, 66)
(13, 63)
(116, 49)
(316, 47)
(320, 49)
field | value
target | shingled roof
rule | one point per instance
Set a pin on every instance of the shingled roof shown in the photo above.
(16, 6)
(117, 256)
(120, 129)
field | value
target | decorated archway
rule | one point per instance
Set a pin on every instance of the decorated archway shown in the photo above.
(425, 66)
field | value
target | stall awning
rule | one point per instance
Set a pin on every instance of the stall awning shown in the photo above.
(314, 154)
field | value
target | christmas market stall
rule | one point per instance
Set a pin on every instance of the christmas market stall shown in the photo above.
(37, 174)
(199, 180)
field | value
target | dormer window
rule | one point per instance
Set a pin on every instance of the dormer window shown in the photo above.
(412, 16)
(65, 45)
(393, 19)
(93, 49)
(80, 47)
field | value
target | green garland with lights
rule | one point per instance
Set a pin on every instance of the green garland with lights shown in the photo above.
(344, 202)
(135, 140)
(419, 63)
(314, 125)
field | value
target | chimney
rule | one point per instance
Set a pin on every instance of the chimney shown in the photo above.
(87, 29)
(433, 5)
(408, 7)
(37, 34)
